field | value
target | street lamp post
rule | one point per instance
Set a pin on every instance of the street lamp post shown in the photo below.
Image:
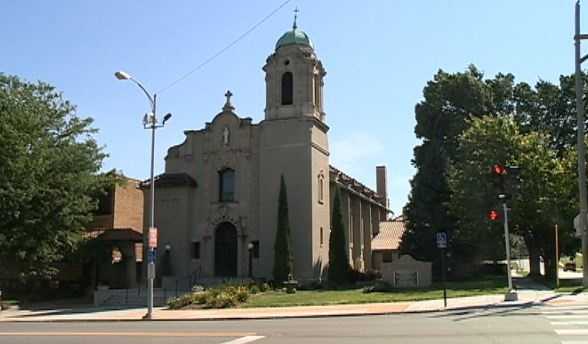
(581, 147)
(250, 249)
(149, 122)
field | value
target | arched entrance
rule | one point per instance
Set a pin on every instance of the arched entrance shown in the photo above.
(225, 250)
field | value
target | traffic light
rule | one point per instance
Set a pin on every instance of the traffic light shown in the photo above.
(499, 173)
(506, 180)
(498, 170)
(493, 215)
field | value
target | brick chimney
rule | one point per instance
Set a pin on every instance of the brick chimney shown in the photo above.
(382, 182)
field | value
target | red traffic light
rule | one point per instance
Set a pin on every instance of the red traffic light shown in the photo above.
(493, 215)
(498, 169)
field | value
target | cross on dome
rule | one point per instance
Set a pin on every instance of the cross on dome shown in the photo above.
(296, 11)
(228, 106)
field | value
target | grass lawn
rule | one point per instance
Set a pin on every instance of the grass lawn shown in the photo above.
(348, 296)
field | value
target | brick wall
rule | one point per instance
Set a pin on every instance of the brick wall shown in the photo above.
(128, 206)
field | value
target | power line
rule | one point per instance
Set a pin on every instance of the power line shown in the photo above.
(227, 47)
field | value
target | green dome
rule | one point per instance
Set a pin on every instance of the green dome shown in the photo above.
(295, 36)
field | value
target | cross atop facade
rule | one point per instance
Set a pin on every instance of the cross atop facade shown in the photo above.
(296, 11)
(228, 106)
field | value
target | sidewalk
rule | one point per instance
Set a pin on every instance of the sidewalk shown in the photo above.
(527, 298)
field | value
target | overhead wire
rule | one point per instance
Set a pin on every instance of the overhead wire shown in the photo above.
(224, 49)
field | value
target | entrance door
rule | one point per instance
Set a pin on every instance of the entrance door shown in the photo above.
(225, 250)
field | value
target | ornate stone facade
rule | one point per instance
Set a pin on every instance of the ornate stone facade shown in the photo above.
(227, 204)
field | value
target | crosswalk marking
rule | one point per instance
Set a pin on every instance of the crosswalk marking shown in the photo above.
(553, 311)
(572, 332)
(243, 340)
(571, 316)
(569, 322)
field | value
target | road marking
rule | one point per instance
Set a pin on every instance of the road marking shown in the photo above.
(247, 339)
(134, 334)
(572, 332)
(563, 317)
(583, 311)
(566, 323)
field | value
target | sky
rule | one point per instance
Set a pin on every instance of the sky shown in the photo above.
(379, 54)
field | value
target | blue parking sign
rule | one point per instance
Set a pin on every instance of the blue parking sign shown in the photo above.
(441, 240)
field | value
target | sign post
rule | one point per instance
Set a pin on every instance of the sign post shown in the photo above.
(442, 245)
(152, 242)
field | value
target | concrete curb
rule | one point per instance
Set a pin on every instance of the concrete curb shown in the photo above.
(348, 313)
(291, 316)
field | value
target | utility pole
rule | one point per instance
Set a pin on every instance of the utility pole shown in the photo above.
(556, 256)
(581, 147)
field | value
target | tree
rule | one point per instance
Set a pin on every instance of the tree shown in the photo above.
(283, 258)
(49, 163)
(450, 100)
(541, 201)
(338, 261)
(549, 108)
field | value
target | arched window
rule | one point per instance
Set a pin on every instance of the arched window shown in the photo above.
(226, 187)
(287, 89)
(321, 188)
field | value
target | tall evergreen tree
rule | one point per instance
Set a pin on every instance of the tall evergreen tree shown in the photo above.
(283, 258)
(450, 100)
(338, 262)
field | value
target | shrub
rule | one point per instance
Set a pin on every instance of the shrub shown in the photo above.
(378, 286)
(242, 294)
(180, 301)
(221, 297)
(254, 289)
(263, 287)
(197, 288)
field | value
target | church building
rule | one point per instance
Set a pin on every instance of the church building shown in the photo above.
(217, 201)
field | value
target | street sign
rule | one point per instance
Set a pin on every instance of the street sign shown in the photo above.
(151, 255)
(441, 239)
(152, 237)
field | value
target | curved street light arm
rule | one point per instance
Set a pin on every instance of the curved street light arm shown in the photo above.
(151, 99)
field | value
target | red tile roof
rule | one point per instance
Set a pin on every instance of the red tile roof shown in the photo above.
(389, 237)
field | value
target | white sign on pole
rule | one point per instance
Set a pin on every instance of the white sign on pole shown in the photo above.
(152, 237)
(577, 225)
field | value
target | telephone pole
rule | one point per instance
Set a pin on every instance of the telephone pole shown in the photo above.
(581, 147)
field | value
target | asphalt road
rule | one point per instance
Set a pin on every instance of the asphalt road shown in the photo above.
(537, 325)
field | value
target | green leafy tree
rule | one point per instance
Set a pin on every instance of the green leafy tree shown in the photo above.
(49, 162)
(549, 108)
(338, 261)
(541, 201)
(283, 258)
(450, 100)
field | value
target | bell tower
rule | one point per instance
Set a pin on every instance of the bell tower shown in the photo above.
(294, 144)
(294, 78)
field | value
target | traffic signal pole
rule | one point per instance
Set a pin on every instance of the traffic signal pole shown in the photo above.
(511, 294)
(581, 147)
